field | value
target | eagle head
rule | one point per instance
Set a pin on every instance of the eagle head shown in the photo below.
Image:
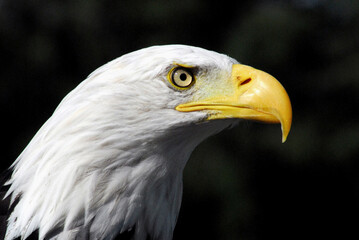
(109, 161)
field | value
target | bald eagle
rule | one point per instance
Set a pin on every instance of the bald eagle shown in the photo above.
(109, 161)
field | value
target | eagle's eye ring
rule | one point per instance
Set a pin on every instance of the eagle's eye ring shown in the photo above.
(181, 77)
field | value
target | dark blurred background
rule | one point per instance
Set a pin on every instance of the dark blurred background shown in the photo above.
(243, 183)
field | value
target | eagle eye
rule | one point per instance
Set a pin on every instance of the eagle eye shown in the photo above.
(181, 77)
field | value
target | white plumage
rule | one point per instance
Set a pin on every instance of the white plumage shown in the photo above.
(110, 158)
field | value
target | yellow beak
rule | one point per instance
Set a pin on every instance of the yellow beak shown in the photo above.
(257, 96)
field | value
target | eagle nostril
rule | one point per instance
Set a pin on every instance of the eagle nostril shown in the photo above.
(245, 81)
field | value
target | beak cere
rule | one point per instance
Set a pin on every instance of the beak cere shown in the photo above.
(257, 96)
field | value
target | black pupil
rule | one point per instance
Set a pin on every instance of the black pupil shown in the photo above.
(183, 76)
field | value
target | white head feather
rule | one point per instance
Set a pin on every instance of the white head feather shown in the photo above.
(111, 156)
